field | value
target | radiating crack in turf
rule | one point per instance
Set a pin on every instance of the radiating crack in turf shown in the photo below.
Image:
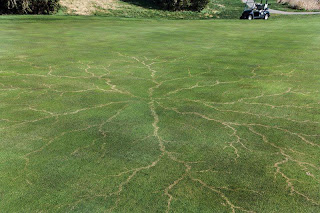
(152, 105)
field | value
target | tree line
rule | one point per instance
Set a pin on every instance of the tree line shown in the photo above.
(28, 6)
(174, 5)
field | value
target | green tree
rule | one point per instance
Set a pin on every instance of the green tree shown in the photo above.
(29, 6)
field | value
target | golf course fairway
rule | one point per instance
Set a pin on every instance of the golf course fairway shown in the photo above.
(134, 115)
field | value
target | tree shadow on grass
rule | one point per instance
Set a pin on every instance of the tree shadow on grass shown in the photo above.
(149, 4)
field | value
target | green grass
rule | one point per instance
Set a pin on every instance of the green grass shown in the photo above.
(216, 9)
(144, 9)
(136, 115)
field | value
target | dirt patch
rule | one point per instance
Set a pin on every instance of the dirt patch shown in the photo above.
(88, 7)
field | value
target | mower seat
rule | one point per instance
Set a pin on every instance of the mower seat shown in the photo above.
(259, 6)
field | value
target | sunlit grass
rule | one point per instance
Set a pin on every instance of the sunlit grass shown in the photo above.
(132, 115)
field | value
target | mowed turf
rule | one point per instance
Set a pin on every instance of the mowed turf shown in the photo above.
(124, 115)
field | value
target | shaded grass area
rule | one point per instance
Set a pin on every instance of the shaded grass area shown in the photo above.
(150, 4)
(147, 9)
(130, 115)
(216, 9)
